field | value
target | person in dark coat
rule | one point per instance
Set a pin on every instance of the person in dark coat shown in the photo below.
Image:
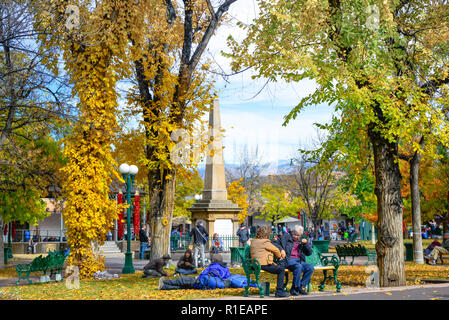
(154, 268)
(143, 238)
(243, 234)
(295, 251)
(186, 264)
(200, 238)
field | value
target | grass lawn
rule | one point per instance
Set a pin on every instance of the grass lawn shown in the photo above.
(134, 287)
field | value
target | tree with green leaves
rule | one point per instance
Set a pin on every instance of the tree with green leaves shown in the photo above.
(186, 188)
(363, 194)
(278, 203)
(33, 109)
(381, 64)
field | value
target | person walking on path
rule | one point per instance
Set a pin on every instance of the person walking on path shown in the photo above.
(243, 234)
(200, 238)
(443, 249)
(296, 250)
(154, 268)
(264, 251)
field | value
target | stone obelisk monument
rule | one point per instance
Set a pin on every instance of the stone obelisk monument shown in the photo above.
(219, 213)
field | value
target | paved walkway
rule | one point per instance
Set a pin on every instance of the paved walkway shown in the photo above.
(419, 292)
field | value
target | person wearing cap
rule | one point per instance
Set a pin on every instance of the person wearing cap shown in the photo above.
(154, 268)
(443, 249)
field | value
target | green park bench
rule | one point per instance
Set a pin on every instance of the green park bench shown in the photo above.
(251, 266)
(53, 262)
(350, 250)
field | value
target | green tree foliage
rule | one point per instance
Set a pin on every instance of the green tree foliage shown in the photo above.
(363, 194)
(382, 64)
(32, 167)
(278, 203)
(186, 188)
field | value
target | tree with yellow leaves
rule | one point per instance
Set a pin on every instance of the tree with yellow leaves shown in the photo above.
(237, 194)
(93, 71)
(168, 39)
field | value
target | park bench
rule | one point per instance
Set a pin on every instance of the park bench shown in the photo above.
(350, 250)
(53, 262)
(251, 266)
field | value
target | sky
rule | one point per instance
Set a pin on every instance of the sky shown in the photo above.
(255, 119)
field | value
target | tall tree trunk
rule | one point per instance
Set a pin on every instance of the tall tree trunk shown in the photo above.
(416, 207)
(444, 217)
(389, 246)
(162, 192)
(1, 244)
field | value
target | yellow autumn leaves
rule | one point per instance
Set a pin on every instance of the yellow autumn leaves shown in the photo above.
(133, 287)
(89, 212)
(236, 193)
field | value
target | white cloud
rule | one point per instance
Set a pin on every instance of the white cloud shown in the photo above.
(265, 130)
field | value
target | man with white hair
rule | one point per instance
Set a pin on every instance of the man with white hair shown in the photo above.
(295, 249)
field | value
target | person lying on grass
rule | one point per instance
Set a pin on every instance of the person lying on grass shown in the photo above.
(215, 276)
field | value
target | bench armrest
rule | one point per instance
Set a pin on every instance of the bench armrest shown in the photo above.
(23, 267)
(330, 260)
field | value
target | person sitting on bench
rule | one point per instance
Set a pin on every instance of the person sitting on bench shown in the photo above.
(296, 249)
(443, 249)
(263, 250)
(429, 249)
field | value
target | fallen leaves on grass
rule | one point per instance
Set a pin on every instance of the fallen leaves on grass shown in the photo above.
(134, 287)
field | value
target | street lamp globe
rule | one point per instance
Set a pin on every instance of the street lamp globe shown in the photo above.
(133, 170)
(197, 197)
(124, 168)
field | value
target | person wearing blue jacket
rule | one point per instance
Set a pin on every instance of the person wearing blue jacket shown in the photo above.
(295, 251)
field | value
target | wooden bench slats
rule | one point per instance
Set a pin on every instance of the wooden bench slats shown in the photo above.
(350, 250)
